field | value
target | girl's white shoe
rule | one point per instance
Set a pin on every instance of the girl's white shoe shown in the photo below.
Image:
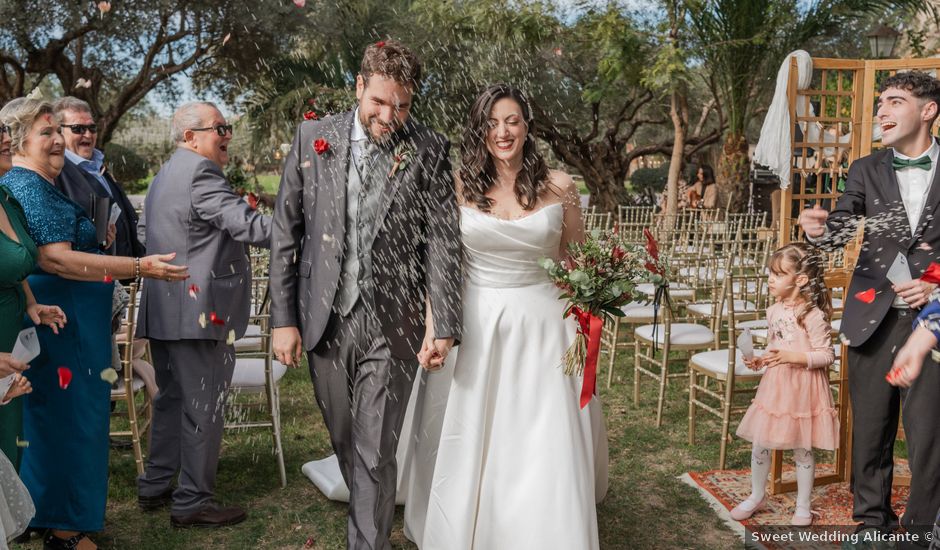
(747, 508)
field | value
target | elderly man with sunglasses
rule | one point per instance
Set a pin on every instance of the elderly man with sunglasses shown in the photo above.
(84, 178)
(191, 209)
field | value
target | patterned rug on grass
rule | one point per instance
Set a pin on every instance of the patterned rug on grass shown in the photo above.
(724, 489)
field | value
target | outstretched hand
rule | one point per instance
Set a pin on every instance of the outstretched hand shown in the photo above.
(813, 221)
(50, 316)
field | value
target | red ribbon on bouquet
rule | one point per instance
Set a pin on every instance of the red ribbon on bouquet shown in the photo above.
(589, 326)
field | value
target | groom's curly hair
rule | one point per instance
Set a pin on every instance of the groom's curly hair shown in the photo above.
(918, 83)
(391, 59)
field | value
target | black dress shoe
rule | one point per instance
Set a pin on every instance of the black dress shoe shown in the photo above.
(24, 537)
(212, 514)
(52, 542)
(149, 504)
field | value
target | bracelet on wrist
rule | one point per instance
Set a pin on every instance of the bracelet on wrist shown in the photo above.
(137, 268)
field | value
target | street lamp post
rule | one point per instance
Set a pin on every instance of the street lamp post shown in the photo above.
(881, 40)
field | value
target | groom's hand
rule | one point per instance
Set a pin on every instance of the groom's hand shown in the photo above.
(286, 344)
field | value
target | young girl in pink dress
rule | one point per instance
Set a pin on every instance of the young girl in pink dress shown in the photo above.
(793, 406)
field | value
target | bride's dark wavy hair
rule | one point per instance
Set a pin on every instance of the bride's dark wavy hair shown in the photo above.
(477, 171)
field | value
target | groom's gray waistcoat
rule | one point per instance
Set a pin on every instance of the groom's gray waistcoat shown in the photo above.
(415, 249)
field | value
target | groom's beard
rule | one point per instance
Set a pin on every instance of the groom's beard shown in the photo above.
(394, 128)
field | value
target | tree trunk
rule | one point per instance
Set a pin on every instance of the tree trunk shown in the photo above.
(678, 111)
(733, 173)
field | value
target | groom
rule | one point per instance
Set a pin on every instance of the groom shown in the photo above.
(365, 238)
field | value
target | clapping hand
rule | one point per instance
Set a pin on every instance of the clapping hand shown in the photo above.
(50, 316)
(21, 386)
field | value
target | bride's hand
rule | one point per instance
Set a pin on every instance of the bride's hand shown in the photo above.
(429, 358)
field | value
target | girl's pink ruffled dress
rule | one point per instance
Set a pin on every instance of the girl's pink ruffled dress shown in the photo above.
(793, 407)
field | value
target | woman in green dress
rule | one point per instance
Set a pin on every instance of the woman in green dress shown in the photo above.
(19, 259)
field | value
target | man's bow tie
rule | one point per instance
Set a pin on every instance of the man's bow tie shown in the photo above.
(923, 163)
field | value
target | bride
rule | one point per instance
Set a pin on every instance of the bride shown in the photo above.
(504, 457)
(496, 453)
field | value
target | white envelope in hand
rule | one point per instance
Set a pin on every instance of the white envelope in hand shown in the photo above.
(746, 344)
(899, 272)
(26, 347)
(115, 214)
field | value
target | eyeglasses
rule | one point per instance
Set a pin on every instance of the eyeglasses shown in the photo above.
(79, 129)
(4, 129)
(220, 129)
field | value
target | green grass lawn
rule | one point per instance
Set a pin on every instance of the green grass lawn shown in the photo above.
(646, 506)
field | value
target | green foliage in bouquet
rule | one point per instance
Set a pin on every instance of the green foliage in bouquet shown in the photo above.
(599, 275)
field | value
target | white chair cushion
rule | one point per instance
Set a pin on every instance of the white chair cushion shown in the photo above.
(836, 325)
(637, 310)
(702, 273)
(759, 334)
(249, 372)
(252, 331)
(676, 290)
(137, 384)
(751, 287)
(753, 324)
(683, 334)
(837, 303)
(717, 361)
(705, 309)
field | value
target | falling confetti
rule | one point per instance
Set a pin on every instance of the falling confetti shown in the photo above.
(65, 377)
(231, 338)
(104, 7)
(252, 200)
(935, 355)
(21, 443)
(226, 39)
(109, 375)
(380, 44)
(193, 290)
(202, 320)
(867, 296)
(82, 83)
(215, 319)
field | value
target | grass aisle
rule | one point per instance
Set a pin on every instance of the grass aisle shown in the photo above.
(646, 506)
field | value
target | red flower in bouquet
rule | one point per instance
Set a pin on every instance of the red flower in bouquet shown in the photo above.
(321, 146)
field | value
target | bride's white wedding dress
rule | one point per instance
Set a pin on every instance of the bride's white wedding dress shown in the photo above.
(495, 452)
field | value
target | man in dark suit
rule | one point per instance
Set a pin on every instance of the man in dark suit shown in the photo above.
(896, 191)
(84, 177)
(365, 239)
(192, 210)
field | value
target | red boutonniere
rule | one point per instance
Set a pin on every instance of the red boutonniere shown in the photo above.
(310, 115)
(321, 146)
(252, 200)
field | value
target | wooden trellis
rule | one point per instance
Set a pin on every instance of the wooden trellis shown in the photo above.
(844, 95)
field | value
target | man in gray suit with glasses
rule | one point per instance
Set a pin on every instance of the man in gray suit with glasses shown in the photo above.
(366, 250)
(191, 209)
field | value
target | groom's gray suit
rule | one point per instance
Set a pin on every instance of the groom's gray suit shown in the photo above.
(363, 235)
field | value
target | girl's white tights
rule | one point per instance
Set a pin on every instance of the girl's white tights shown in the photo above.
(805, 475)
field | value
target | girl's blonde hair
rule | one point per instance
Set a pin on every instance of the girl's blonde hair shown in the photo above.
(804, 259)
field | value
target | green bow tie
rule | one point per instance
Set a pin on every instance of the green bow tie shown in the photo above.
(923, 163)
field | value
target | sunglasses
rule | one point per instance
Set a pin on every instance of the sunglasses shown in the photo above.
(221, 129)
(79, 129)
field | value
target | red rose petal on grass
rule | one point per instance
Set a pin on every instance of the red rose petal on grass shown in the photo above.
(309, 543)
(108, 279)
(321, 146)
(215, 320)
(310, 115)
(65, 377)
(867, 296)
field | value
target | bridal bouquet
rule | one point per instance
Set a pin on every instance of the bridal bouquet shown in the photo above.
(597, 278)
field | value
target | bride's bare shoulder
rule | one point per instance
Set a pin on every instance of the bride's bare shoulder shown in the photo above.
(561, 186)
